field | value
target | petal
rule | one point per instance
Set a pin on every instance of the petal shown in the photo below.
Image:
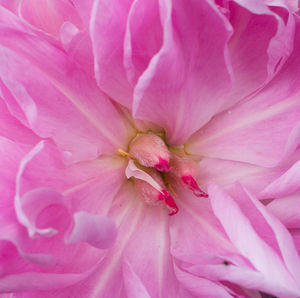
(73, 88)
(107, 29)
(201, 287)
(262, 239)
(78, 46)
(32, 280)
(262, 131)
(226, 173)
(286, 184)
(48, 16)
(260, 45)
(134, 286)
(13, 129)
(287, 210)
(84, 8)
(133, 171)
(143, 37)
(97, 230)
(180, 78)
(10, 4)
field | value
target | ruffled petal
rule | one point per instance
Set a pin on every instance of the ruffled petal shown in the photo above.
(134, 286)
(48, 16)
(286, 184)
(261, 43)
(287, 210)
(133, 171)
(97, 230)
(107, 30)
(226, 173)
(262, 239)
(84, 104)
(263, 131)
(186, 74)
(13, 129)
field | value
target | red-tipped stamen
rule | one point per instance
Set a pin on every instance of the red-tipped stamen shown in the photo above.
(162, 165)
(193, 186)
(170, 203)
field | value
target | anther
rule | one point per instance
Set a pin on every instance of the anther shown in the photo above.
(184, 170)
(150, 151)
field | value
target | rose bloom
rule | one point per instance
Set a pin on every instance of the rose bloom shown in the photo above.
(149, 148)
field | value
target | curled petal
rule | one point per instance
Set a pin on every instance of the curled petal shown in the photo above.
(97, 230)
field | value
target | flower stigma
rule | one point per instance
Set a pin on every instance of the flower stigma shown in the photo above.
(158, 170)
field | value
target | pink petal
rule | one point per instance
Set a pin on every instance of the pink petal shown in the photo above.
(32, 203)
(174, 89)
(287, 210)
(133, 171)
(262, 239)
(32, 280)
(143, 37)
(134, 286)
(70, 86)
(13, 129)
(261, 131)
(10, 4)
(97, 230)
(226, 173)
(84, 8)
(201, 287)
(107, 29)
(260, 45)
(78, 46)
(48, 16)
(286, 184)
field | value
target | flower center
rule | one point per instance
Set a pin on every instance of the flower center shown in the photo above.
(158, 170)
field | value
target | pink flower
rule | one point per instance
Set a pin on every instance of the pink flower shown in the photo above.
(149, 148)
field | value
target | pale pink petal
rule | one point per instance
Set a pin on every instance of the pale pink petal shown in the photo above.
(128, 213)
(143, 37)
(84, 8)
(40, 282)
(11, 4)
(133, 171)
(288, 183)
(260, 45)
(226, 173)
(13, 129)
(67, 32)
(96, 230)
(154, 266)
(78, 46)
(107, 30)
(138, 226)
(48, 16)
(260, 131)
(204, 242)
(270, 252)
(32, 203)
(133, 285)
(201, 287)
(69, 82)
(186, 74)
(287, 210)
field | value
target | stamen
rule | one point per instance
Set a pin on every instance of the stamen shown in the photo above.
(193, 186)
(124, 153)
(169, 185)
(162, 165)
(169, 201)
(150, 151)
